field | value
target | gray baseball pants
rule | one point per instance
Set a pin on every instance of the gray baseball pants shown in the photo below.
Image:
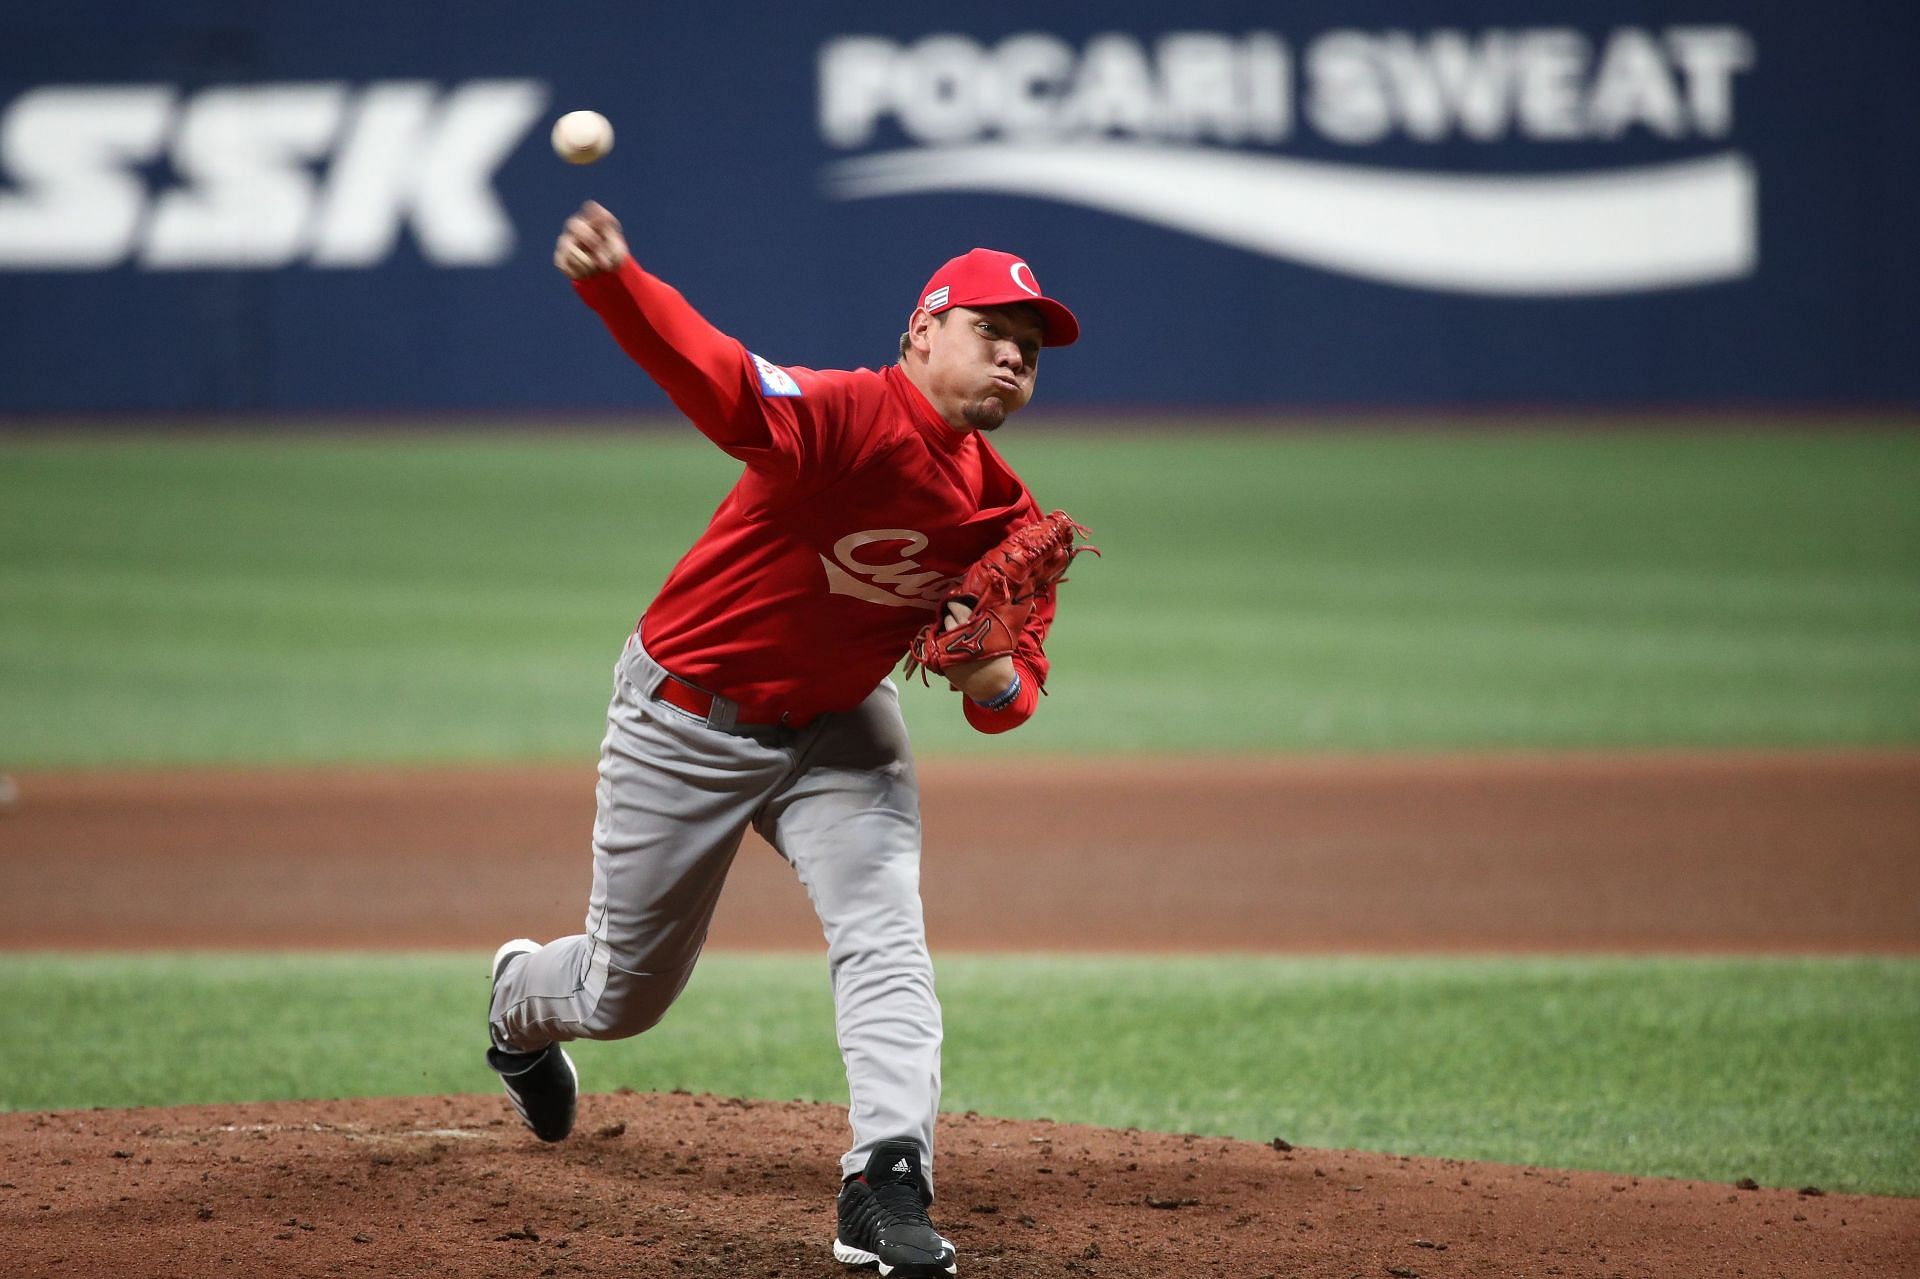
(838, 800)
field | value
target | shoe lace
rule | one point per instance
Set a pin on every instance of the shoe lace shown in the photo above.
(900, 1203)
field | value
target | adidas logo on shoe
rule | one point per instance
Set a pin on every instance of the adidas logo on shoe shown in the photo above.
(903, 1166)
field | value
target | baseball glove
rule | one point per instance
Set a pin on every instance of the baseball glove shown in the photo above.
(1001, 588)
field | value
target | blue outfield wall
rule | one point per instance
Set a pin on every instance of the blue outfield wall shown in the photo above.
(247, 206)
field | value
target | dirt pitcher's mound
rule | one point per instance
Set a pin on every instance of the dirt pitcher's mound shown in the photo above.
(681, 1186)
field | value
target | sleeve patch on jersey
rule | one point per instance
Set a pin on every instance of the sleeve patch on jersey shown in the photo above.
(774, 380)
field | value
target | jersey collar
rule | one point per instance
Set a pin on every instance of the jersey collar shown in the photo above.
(925, 416)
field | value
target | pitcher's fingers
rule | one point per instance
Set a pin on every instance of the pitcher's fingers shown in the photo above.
(573, 260)
(597, 214)
(611, 252)
(583, 230)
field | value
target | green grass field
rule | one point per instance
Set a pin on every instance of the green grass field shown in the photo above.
(250, 600)
(254, 601)
(1789, 1071)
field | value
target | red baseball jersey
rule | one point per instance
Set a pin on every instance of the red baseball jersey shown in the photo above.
(858, 507)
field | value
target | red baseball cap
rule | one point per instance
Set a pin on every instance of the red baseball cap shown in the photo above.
(986, 277)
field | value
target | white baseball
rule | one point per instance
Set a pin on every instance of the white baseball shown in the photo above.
(581, 137)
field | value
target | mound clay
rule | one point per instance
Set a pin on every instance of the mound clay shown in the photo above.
(681, 1186)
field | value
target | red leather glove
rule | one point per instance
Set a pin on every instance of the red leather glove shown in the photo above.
(1001, 588)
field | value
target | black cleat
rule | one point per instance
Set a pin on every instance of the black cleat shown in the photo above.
(542, 1085)
(883, 1218)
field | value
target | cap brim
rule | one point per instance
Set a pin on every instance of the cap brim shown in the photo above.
(1057, 325)
(1061, 328)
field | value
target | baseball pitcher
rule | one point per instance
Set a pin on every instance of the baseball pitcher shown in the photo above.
(871, 521)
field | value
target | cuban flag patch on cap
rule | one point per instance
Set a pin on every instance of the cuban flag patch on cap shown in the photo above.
(774, 380)
(937, 298)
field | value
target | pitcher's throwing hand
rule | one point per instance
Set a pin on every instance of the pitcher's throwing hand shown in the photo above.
(590, 244)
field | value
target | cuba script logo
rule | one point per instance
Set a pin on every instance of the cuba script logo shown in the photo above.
(1185, 131)
(269, 174)
(879, 576)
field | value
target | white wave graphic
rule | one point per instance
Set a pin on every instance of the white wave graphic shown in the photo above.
(1661, 226)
